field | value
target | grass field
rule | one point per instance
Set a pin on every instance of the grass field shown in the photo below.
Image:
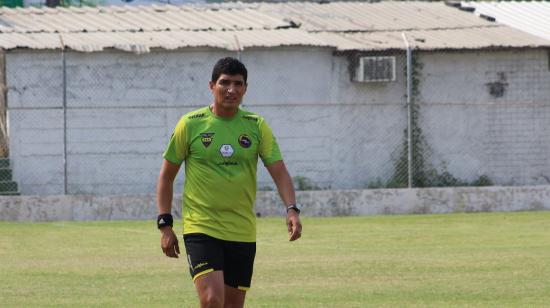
(456, 260)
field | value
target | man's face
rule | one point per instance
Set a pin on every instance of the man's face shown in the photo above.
(228, 91)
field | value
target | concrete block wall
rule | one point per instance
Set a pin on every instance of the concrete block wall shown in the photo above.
(340, 134)
(315, 203)
(34, 79)
(474, 132)
(36, 149)
(345, 134)
(122, 108)
(465, 77)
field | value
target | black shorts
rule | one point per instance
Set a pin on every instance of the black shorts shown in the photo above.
(206, 254)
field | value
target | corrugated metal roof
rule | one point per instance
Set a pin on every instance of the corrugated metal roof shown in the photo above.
(532, 17)
(132, 18)
(379, 16)
(468, 38)
(142, 42)
(141, 28)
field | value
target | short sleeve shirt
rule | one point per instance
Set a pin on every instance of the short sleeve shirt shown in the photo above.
(221, 159)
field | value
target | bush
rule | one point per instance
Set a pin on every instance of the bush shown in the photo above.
(304, 183)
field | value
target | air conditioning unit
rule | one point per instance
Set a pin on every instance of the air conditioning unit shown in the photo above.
(375, 69)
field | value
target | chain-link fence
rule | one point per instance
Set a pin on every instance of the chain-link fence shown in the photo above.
(97, 123)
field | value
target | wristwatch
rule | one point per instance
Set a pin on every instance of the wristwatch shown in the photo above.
(296, 207)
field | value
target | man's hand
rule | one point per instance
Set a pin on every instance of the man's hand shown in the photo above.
(294, 225)
(169, 242)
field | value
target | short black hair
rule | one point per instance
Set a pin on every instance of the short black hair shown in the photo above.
(229, 66)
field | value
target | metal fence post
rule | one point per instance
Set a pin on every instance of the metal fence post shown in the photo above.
(64, 61)
(409, 108)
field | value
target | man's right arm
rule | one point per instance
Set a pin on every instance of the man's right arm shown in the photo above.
(165, 192)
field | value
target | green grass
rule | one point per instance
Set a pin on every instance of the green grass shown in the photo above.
(456, 260)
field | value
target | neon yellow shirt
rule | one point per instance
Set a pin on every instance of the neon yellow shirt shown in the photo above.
(221, 159)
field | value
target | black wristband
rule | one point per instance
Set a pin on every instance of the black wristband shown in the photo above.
(293, 207)
(164, 220)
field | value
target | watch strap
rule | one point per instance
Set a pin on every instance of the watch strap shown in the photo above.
(293, 207)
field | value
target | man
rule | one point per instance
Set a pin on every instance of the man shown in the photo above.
(220, 145)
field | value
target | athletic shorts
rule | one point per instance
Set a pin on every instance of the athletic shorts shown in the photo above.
(206, 254)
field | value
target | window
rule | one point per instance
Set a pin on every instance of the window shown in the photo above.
(376, 69)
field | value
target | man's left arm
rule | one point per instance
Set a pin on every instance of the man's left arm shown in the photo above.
(282, 179)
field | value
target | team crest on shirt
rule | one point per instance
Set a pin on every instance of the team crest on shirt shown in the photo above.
(206, 139)
(226, 150)
(245, 141)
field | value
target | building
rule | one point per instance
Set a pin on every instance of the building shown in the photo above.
(93, 93)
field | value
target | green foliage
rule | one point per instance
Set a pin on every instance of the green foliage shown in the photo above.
(419, 177)
(12, 3)
(482, 181)
(443, 179)
(304, 183)
(423, 174)
(376, 184)
(73, 3)
(80, 3)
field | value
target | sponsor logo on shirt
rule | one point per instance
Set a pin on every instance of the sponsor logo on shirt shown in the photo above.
(206, 139)
(245, 141)
(197, 116)
(251, 118)
(228, 163)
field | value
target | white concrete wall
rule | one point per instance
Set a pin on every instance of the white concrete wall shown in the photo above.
(314, 203)
(340, 134)
(121, 110)
(473, 132)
